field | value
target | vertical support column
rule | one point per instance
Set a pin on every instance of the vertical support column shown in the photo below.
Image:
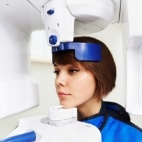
(18, 91)
(134, 58)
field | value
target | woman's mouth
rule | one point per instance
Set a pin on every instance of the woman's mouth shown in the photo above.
(62, 95)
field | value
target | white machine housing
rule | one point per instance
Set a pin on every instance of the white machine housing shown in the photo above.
(64, 17)
(132, 36)
(66, 128)
(18, 90)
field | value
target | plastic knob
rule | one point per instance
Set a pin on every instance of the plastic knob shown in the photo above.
(53, 39)
(50, 12)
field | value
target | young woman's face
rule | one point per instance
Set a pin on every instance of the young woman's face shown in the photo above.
(74, 85)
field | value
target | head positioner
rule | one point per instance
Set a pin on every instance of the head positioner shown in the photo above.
(83, 51)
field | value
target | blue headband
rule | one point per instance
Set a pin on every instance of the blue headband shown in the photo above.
(83, 51)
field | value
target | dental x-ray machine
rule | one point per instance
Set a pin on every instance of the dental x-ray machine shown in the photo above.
(61, 19)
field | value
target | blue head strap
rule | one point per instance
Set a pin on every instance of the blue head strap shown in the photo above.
(83, 51)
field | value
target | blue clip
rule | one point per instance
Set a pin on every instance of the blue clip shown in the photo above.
(50, 12)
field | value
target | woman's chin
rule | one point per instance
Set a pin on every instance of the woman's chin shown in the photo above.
(66, 105)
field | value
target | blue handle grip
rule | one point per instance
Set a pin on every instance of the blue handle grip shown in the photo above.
(26, 137)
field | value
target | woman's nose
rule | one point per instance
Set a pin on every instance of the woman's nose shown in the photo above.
(61, 79)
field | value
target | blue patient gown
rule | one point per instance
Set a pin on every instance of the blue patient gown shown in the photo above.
(114, 124)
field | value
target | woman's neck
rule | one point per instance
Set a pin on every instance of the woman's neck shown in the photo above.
(89, 108)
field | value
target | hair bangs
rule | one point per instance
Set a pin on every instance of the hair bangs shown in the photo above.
(64, 57)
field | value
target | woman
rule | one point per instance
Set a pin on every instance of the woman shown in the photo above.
(85, 73)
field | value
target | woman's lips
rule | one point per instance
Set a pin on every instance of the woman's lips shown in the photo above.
(62, 95)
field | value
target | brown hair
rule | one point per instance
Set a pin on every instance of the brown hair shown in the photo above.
(103, 71)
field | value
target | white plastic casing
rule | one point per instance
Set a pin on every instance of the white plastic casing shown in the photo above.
(76, 16)
(18, 90)
(73, 132)
(59, 113)
(132, 23)
(60, 23)
(91, 15)
(58, 116)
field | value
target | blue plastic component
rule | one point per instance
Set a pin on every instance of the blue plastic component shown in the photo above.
(26, 137)
(83, 51)
(50, 12)
(53, 39)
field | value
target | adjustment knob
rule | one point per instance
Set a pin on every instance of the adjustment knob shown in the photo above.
(53, 39)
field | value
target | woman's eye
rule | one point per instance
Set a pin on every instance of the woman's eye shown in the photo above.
(56, 72)
(73, 70)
